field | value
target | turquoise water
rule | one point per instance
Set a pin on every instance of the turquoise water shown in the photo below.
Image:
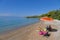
(9, 23)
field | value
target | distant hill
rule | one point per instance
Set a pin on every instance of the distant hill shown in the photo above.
(53, 14)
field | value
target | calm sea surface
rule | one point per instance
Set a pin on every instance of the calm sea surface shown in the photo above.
(9, 23)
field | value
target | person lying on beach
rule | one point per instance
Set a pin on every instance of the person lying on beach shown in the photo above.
(44, 32)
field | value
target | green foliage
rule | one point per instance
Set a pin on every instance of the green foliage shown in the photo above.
(32, 17)
(54, 14)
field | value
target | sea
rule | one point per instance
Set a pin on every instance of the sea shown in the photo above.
(10, 22)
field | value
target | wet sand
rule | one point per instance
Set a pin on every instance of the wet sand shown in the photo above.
(28, 33)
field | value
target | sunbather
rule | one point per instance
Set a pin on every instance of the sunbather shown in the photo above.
(49, 28)
(42, 32)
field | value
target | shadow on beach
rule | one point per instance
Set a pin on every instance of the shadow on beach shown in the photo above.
(53, 30)
(47, 35)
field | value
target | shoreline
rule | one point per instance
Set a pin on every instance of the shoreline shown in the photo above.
(27, 33)
(19, 27)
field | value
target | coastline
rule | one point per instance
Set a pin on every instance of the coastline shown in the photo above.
(19, 27)
(26, 33)
(10, 32)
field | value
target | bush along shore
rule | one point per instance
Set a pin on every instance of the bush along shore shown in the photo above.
(55, 14)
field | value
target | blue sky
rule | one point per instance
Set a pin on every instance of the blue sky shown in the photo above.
(23, 8)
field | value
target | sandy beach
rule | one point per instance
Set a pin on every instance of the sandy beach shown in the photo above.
(29, 33)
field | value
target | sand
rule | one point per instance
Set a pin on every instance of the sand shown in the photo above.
(29, 33)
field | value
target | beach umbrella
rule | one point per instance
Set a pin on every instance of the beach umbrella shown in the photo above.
(47, 20)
